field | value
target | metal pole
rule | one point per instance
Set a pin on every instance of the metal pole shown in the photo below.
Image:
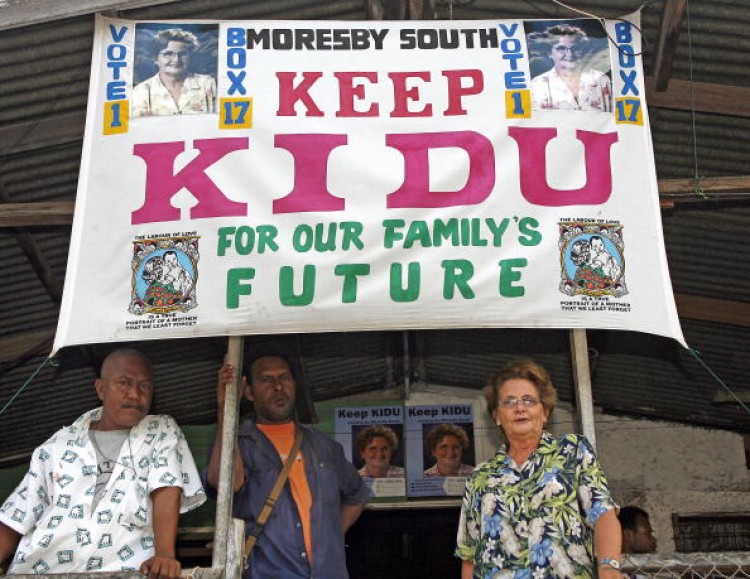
(579, 352)
(226, 471)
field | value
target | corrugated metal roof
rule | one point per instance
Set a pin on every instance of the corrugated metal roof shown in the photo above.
(44, 73)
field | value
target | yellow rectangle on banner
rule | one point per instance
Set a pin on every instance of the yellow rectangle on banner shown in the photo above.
(235, 113)
(628, 111)
(116, 117)
(518, 104)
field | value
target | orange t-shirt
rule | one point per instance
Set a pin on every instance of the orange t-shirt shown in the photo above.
(282, 437)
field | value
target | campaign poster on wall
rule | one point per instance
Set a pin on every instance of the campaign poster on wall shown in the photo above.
(439, 449)
(373, 440)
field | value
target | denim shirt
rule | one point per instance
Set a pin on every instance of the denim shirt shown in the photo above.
(280, 550)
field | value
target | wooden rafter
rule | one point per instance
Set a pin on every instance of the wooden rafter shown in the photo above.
(703, 97)
(32, 135)
(30, 12)
(715, 185)
(34, 254)
(688, 307)
(670, 190)
(681, 95)
(671, 21)
(23, 344)
(34, 214)
(713, 310)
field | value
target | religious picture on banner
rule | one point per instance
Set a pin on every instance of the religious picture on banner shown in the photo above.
(440, 449)
(592, 260)
(372, 437)
(175, 69)
(164, 275)
(570, 65)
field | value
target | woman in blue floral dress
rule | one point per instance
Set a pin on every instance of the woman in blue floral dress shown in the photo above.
(541, 508)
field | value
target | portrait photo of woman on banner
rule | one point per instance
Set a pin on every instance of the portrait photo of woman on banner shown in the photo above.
(570, 65)
(175, 70)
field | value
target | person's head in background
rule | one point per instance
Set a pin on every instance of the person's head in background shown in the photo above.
(637, 534)
(272, 389)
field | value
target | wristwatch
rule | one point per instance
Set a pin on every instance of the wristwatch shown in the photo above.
(609, 562)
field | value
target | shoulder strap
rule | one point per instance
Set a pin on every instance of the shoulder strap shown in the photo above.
(273, 496)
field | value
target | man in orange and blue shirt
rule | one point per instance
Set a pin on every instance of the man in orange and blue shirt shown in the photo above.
(324, 496)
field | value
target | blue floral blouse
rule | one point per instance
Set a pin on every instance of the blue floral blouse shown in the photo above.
(537, 521)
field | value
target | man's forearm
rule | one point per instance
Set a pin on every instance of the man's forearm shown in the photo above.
(166, 514)
(9, 540)
(350, 514)
(214, 463)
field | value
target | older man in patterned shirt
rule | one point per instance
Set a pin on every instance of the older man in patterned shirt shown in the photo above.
(105, 493)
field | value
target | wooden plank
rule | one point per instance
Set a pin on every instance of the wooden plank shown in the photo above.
(40, 134)
(712, 98)
(671, 22)
(224, 524)
(35, 214)
(17, 346)
(28, 244)
(702, 96)
(17, 14)
(724, 396)
(718, 185)
(579, 352)
(61, 213)
(713, 310)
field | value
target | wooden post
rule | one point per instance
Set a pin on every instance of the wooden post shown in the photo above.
(235, 547)
(224, 523)
(579, 352)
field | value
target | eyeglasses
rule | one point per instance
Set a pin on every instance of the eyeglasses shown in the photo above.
(563, 49)
(169, 55)
(526, 401)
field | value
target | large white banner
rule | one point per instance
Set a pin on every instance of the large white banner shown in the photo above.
(271, 177)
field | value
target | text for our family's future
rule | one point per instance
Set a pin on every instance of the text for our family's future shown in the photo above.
(405, 279)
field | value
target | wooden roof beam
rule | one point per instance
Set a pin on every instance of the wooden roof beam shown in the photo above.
(671, 21)
(670, 190)
(35, 214)
(32, 135)
(24, 344)
(713, 310)
(688, 307)
(717, 185)
(30, 12)
(681, 95)
(673, 191)
(704, 97)
(35, 255)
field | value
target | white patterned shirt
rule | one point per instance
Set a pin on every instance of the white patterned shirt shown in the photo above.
(550, 92)
(52, 506)
(151, 97)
